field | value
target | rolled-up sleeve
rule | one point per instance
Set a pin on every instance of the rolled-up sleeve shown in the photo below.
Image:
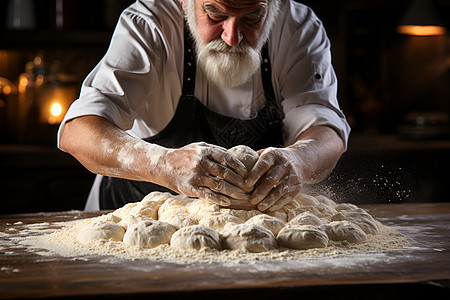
(117, 88)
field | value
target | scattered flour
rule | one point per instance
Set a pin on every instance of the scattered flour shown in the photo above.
(210, 242)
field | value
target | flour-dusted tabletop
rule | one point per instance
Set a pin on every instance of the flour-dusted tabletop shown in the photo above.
(421, 267)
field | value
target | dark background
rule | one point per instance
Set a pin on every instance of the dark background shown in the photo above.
(383, 77)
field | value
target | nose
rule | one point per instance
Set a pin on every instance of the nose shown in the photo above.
(231, 33)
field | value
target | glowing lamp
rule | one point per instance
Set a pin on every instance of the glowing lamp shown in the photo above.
(421, 19)
(54, 103)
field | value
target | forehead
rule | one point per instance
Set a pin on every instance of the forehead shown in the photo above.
(235, 4)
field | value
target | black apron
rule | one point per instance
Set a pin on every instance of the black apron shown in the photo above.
(193, 122)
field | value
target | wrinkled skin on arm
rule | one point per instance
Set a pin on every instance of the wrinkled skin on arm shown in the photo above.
(196, 170)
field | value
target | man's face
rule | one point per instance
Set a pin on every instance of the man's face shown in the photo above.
(231, 20)
(229, 35)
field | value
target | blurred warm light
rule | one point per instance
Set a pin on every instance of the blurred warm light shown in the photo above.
(7, 90)
(421, 30)
(55, 116)
(56, 109)
(23, 81)
(421, 19)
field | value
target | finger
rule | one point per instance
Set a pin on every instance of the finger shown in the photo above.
(281, 202)
(266, 184)
(273, 196)
(209, 195)
(221, 186)
(262, 166)
(228, 160)
(225, 173)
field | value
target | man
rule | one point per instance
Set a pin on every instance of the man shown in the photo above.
(168, 98)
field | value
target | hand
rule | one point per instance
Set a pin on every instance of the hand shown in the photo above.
(204, 171)
(276, 178)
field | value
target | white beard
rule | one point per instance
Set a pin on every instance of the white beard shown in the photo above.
(228, 66)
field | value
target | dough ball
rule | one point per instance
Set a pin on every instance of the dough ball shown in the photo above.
(178, 219)
(109, 218)
(325, 200)
(150, 204)
(320, 210)
(218, 222)
(196, 237)
(132, 220)
(245, 154)
(344, 231)
(248, 237)
(302, 237)
(359, 217)
(201, 208)
(279, 214)
(243, 214)
(269, 222)
(306, 218)
(148, 234)
(125, 210)
(177, 203)
(306, 200)
(101, 230)
(346, 206)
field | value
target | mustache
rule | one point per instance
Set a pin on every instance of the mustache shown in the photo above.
(218, 45)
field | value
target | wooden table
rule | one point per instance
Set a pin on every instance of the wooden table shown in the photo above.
(422, 268)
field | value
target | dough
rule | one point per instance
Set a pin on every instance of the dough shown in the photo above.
(325, 200)
(306, 218)
(196, 237)
(248, 157)
(201, 208)
(218, 222)
(178, 219)
(359, 217)
(109, 217)
(320, 210)
(101, 230)
(302, 237)
(148, 234)
(248, 237)
(305, 200)
(346, 206)
(269, 222)
(245, 154)
(344, 231)
(132, 220)
(150, 204)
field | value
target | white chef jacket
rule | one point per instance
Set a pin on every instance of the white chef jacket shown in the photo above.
(138, 83)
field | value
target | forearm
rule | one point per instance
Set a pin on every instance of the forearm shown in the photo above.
(105, 149)
(318, 149)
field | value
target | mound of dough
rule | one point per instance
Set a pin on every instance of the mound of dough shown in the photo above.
(130, 220)
(187, 223)
(269, 222)
(359, 217)
(148, 234)
(344, 231)
(245, 154)
(178, 219)
(302, 237)
(306, 218)
(196, 237)
(218, 222)
(248, 237)
(101, 230)
(150, 204)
